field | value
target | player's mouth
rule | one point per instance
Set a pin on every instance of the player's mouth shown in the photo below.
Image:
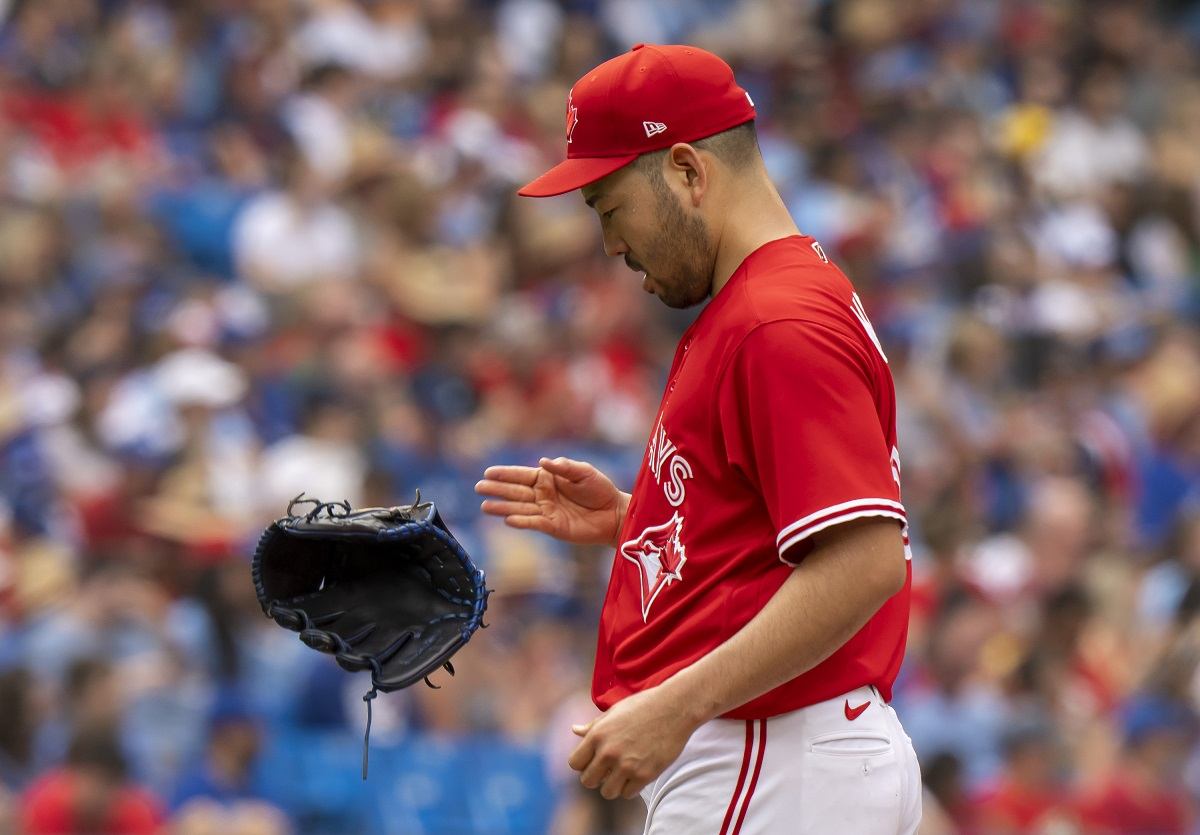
(638, 268)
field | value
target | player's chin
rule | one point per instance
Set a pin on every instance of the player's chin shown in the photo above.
(676, 301)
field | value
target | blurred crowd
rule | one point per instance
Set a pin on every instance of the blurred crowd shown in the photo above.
(250, 248)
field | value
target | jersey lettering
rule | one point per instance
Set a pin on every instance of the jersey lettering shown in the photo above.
(677, 472)
(681, 470)
(660, 450)
(861, 314)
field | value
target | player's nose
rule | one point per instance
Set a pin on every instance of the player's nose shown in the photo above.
(614, 246)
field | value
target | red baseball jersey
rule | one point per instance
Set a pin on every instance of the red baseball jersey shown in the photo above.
(778, 421)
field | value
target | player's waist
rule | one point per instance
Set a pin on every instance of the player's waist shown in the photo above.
(859, 707)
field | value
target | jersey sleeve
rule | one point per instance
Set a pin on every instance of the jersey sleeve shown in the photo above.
(798, 415)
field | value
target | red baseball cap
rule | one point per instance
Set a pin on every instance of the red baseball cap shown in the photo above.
(646, 99)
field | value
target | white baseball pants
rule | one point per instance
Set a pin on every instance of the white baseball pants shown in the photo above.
(833, 768)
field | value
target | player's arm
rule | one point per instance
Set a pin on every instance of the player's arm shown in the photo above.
(852, 570)
(850, 573)
(569, 500)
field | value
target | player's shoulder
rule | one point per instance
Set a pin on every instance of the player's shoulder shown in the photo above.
(789, 299)
(791, 279)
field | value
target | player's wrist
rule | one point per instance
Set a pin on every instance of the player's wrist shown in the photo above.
(619, 522)
(693, 700)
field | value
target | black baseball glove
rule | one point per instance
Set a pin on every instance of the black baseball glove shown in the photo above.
(384, 589)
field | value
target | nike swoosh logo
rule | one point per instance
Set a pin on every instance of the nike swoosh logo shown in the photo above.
(853, 713)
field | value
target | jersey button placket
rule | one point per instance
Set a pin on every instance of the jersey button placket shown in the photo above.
(679, 371)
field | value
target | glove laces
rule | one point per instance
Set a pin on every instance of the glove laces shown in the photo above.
(333, 510)
(369, 697)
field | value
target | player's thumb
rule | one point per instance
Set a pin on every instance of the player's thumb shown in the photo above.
(565, 467)
(581, 730)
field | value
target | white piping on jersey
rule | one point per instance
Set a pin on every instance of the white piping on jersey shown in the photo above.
(837, 520)
(800, 523)
(860, 312)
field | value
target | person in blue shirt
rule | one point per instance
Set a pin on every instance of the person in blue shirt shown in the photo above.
(227, 771)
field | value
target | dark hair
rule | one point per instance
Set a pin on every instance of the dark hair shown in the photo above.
(323, 73)
(736, 147)
(99, 749)
(82, 674)
(16, 733)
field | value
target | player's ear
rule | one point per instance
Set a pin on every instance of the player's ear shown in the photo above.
(690, 170)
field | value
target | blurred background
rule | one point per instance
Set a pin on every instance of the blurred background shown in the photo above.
(254, 247)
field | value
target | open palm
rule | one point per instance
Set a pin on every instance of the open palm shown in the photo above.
(569, 500)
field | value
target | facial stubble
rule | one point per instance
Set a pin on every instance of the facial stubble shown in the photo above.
(683, 240)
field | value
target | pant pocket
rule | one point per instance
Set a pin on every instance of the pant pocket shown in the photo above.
(864, 743)
(852, 782)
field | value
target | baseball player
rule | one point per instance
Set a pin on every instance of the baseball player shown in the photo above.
(757, 610)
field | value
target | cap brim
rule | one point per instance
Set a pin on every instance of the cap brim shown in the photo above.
(571, 174)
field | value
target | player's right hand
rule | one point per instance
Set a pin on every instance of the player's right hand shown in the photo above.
(569, 500)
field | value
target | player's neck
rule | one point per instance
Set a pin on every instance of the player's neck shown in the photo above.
(756, 216)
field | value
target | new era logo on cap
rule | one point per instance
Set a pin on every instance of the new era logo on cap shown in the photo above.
(651, 128)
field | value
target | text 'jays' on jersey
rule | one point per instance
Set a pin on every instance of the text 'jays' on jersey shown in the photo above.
(778, 422)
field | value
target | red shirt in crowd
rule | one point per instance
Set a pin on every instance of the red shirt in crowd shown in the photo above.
(1013, 808)
(1122, 807)
(51, 807)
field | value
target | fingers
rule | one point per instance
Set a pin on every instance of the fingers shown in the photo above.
(512, 474)
(513, 498)
(505, 490)
(527, 476)
(502, 508)
(614, 785)
(595, 773)
(531, 523)
(565, 467)
(582, 755)
(586, 759)
(603, 771)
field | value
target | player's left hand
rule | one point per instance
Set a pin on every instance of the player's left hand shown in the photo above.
(625, 749)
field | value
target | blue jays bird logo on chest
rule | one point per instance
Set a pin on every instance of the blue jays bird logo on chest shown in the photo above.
(659, 554)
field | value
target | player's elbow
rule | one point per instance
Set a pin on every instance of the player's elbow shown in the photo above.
(871, 551)
(893, 571)
(879, 552)
(888, 564)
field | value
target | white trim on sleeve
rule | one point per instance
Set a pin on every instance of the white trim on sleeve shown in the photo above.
(821, 514)
(835, 515)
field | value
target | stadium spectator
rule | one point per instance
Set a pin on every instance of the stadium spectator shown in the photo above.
(90, 793)
(1145, 791)
(1029, 796)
